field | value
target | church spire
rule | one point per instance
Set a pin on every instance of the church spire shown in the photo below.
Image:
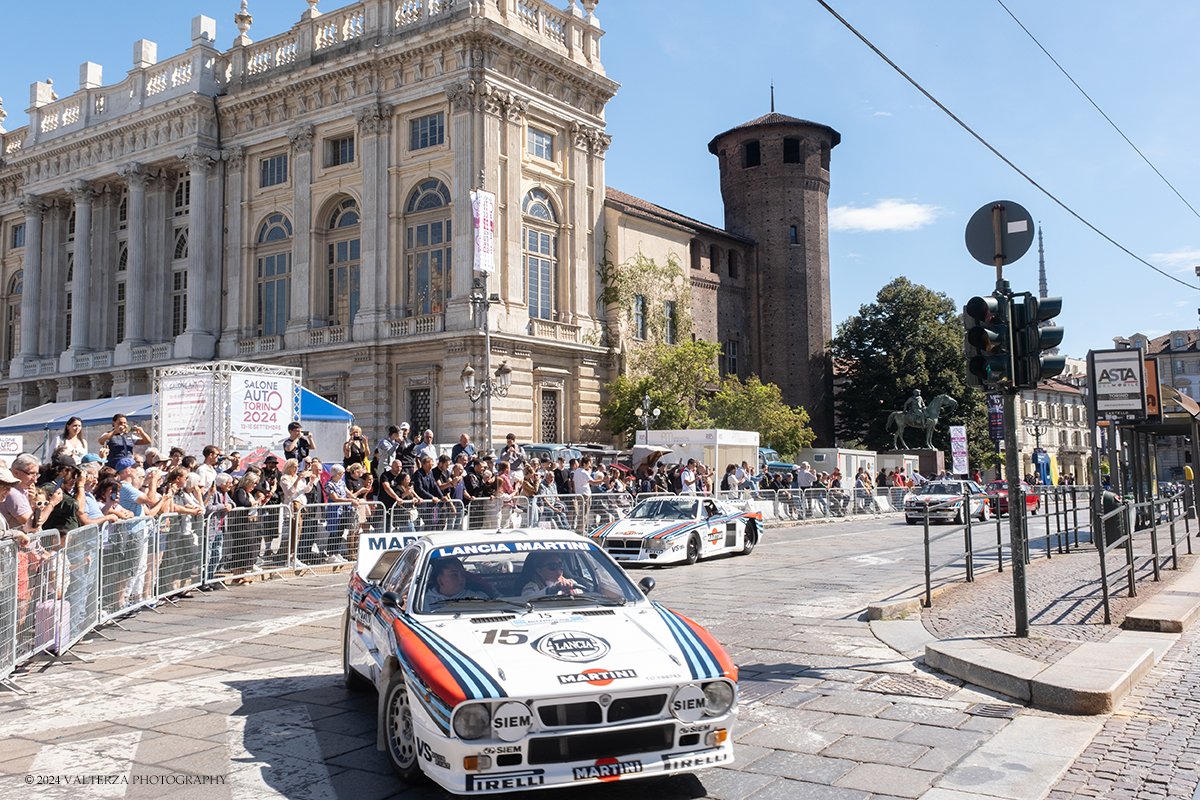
(1042, 290)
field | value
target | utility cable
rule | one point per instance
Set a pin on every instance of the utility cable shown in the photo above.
(1097, 107)
(1000, 155)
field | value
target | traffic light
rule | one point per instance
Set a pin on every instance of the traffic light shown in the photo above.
(1031, 338)
(988, 358)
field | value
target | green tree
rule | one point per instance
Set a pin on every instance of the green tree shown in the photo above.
(910, 338)
(758, 406)
(676, 378)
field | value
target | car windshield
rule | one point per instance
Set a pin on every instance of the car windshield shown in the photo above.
(940, 488)
(665, 508)
(511, 575)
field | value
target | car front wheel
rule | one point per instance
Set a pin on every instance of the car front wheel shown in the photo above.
(352, 679)
(400, 733)
(693, 549)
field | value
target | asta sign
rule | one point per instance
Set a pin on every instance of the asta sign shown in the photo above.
(1118, 383)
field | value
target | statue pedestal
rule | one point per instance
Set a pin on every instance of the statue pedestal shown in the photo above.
(930, 463)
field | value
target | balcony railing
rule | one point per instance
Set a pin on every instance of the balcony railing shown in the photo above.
(548, 329)
(261, 344)
(336, 334)
(426, 323)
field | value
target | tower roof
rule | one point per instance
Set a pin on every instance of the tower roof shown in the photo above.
(772, 119)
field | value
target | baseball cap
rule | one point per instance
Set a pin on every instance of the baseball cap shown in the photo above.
(90, 458)
(404, 426)
(124, 464)
(270, 460)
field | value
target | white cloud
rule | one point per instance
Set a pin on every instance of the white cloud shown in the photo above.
(1186, 259)
(885, 215)
(882, 114)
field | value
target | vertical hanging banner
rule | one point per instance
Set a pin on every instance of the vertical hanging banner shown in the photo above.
(186, 412)
(260, 408)
(958, 448)
(995, 413)
(483, 209)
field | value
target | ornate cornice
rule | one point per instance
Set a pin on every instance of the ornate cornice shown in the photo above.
(589, 138)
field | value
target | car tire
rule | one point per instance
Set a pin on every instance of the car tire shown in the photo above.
(352, 679)
(1036, 506)
(958, 517)
(749, 539)
(910, 520)
(399, 733)
(693, 549)
(983, 513)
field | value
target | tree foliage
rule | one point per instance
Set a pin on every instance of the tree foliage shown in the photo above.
(680, 381)
(676, 378)
(910, 338)
(758, 406)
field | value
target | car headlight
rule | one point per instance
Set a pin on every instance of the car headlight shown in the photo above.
(472, 721)
(657, 544)
(718, 697)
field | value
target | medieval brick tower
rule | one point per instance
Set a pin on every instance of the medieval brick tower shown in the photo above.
(775, 185)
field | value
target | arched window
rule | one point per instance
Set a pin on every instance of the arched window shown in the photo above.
(427, 248)
(183, 195)
(12, 316)
(273, 261)
(343, 245)
(539, 241)
(123, 257)
(714, 259)
(179, 283)
(123, 210)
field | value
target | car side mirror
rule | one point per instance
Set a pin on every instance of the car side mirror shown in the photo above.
(646, 584)
(392, 600)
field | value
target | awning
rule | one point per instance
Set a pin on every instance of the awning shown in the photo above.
(138, 408)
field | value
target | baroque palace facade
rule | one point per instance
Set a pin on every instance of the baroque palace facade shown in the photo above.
(305, 200)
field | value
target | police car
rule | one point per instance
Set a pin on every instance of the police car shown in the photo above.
(524, 659)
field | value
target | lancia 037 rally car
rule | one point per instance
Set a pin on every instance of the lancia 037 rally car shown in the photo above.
(671, 529)
(943, 502)
(526, 659)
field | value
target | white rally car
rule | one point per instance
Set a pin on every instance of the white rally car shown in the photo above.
(525, 659)
(670, 529)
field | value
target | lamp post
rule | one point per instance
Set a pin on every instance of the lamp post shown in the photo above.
(493, 385)
(645, 414)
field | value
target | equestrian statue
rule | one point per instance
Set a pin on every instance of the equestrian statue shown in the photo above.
(917, 415)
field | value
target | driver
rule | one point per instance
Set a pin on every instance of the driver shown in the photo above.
(448, 581)
(548, 576)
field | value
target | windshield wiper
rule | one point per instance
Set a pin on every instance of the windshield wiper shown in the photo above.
(448, 600)
(590, 598)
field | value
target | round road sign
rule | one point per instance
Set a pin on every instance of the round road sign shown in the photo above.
(1016, 233)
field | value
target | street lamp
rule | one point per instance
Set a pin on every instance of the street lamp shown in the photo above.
(644, 414)
(480, 301)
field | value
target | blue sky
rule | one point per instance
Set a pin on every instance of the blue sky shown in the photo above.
(905, 178)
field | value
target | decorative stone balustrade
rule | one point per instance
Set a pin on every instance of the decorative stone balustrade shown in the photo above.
(427, 323)
(45, 366)
(88, 361)
(152, 352)
(332, 335)
(548, 329)
(13, 140)
(262, 344)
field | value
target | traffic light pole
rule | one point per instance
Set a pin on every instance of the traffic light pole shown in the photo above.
(1012, 459)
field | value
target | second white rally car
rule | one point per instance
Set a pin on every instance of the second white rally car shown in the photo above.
(524, 659)
(672, 529)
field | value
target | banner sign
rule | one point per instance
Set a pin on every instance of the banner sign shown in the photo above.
(186, 418)
(260, 409)
(995, 414)
(10, 448)
(483, 209)
(958, 448)
(1153, 404)
(1119, 385)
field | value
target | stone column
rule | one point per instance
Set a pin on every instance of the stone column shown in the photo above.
(81, 284)
(236, 322)
(197, 342)
(31, 292)
(136, 177)
(302, 315)
(374, 124)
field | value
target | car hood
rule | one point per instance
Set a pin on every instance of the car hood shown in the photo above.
(560, 652)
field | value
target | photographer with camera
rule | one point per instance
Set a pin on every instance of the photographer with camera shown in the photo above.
(298, 444)
(354, 450)
(122, 439)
